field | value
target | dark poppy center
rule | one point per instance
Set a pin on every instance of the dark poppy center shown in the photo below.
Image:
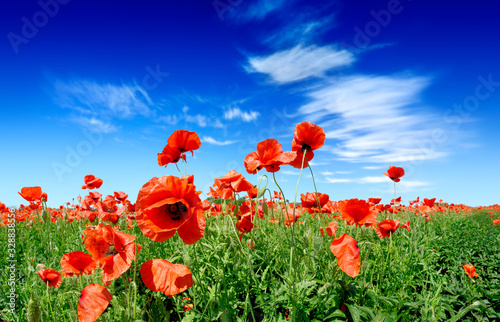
(306, 147)
(176, 210)
(111, 250)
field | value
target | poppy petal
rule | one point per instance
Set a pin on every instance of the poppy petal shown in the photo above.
(346, 250)
(93, 301)
(170, 279)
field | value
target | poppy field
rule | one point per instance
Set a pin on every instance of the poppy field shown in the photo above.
(247, 253)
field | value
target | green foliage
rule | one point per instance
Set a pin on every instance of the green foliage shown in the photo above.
(412, 276)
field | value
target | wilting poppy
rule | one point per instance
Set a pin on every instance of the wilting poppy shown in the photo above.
(357, 211)
(386, 227)
(269, 155)
(78, 263)
(93, 301)
(346, 250)
(31, 193)
(395, 173)
(470, 270)
(407, 225)
(307, 138)
(91, 182)
(112, 249)
(50, 276)
(163, 276)
(169, 204)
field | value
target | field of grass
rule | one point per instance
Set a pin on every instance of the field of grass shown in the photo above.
(414, 275)
(172, 257)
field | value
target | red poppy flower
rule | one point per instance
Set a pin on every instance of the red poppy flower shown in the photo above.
(112, 249)
(78, 263)
(91, 182)
(407, 225)
(310, 203)
(31, 193)
(188, 177)
(245, 224)
(307, 138)
(180, 142)
(93, 301)
(386, 227)
(120, 195)
(170, 155)
(51, 277)
(395, 173)
(331, 229)
(357, 211)
(346, 250)
(44, 197)
(169, 204)
(185, 141)
(163, 276)
(229, 184)
(496, 222)
(269, 155)
(374, 201)
(470, 270)
(252, 193)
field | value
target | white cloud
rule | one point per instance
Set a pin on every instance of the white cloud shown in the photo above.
(236, 113)
(381, 179)
(337, 180)
(293, 173)
(94, 125)
(210, 140)
(326, 173)
(373, 167)
(260, 9)
(300, 62)
(375, 118)
(203, 120)
(103, 100)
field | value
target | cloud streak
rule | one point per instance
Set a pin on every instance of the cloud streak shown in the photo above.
(299, 63)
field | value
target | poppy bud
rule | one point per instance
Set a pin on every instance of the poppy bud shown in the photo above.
(33, 310)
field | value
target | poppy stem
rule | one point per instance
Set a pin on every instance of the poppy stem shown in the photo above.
(314, 183)
(284, 199)
(394, 193)
(48, 299)
(295, 206)
(178, 168)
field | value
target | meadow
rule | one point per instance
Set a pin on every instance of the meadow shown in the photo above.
(247, 253)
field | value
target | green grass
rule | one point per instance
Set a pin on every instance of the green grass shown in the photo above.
(413, 276)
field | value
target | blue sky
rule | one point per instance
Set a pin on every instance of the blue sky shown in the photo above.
(97, 88)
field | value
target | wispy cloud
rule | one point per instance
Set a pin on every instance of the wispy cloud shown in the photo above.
(210, 140)
(201, 120)
(96, 106)
(371, 167)
(260, 9)
(292, 173)
(105, 100)
(337, 180)
(236, 113)
(299, 63)
(94, 125)
(374, 118)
